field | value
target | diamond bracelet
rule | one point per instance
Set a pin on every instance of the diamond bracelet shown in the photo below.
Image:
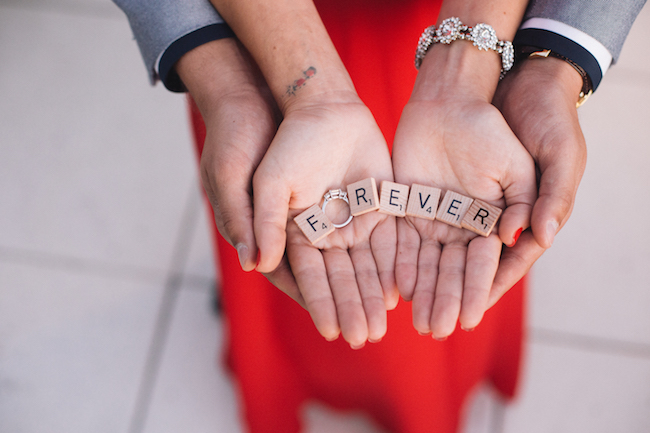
(481, 35)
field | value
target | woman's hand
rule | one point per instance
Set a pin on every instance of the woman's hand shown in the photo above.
(327, 140)
(451, 137)
(347, 278)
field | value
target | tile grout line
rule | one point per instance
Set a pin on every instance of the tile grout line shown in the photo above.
(590, 343)
(56, 261)
(165, 315)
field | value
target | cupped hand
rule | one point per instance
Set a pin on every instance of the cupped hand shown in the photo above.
(461, 144)
(240, 118)
(346, 279)
(547, 124)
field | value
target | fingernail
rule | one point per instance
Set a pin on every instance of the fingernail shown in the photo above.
(242, 252)
(467, 329)
(374, 341)
(439, 338)
(360, 346)
(551, 231)
(424, 334)
(332, 339)
(517, 234)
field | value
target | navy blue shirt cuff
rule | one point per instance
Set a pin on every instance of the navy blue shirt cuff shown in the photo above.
(178, 48)
(547, 40)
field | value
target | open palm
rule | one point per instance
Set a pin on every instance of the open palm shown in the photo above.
(465, 147)
(346, 279)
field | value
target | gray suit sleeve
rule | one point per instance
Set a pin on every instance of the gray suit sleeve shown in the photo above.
(607, 21)
(157, 24)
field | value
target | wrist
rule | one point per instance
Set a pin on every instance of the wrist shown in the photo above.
(218, 70)
(293, 49)
(555, 78)
(534, 53)
(457, 70)
(328, 83)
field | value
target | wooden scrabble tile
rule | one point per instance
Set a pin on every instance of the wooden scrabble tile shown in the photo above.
(314, 224)
(453, 208)
(394, 197)
(423, 201)
(363, 196)
(481, 218)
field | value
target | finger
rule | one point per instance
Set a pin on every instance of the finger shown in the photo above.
(406, 262)
(515, 263)
(520, 193)
(482, 263)
(372, 295)
(449, 290)
(233, 208)
(234, 219)
(425, 286)
(384, 249)
(283, 279)
(349, 306)
(309, 271)
(271, 207)
(557, 190)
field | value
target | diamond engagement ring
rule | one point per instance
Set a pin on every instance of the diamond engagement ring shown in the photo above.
(337, 194)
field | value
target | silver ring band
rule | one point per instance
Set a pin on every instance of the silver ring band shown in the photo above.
(337, 194)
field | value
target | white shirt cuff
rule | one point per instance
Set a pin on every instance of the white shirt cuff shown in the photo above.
(598, 50)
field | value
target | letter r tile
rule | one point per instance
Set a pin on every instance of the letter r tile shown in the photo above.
(453, 208)
(363, 196)
(423, 201)
(481, 218)
(394, 197)
(314, 224)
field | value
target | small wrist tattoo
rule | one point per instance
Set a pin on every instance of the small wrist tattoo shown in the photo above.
(300, 82)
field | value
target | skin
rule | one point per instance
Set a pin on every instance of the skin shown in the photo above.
(328, 139)
(547, 124)
(452, 137)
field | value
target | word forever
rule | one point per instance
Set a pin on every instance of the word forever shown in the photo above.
(418, 201)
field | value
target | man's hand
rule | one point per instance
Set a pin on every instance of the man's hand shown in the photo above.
(538, 100)
(241, 119)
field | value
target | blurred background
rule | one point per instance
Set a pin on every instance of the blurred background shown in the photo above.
(106, 269)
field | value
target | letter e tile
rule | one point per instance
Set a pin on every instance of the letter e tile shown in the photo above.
(363, 196)
(423, 201)
(481, 218)
(453, 208)
(314, 224)
(394, 197)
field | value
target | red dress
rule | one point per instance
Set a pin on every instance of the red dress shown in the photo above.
(407, 383)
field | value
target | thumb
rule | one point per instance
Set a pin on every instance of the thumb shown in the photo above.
(271, 208)
(233, 215)
(236, 225)
(557, 190)
(520, 193)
